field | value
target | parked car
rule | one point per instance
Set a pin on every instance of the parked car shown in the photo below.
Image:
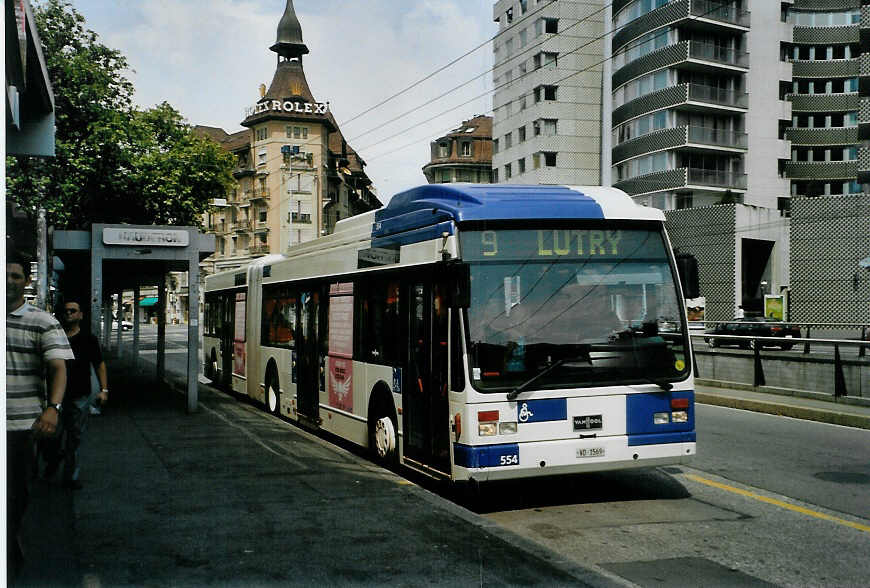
(125, 325)
(754, 327)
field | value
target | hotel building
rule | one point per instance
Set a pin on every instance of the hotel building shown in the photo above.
(462, 155)
(296, 176)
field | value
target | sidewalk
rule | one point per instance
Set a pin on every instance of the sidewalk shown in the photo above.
(232, 496)
(826, 411)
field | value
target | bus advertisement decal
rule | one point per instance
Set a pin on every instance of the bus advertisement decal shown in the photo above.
(341, 383)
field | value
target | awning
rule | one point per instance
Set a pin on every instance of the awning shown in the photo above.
(864, 263)
(148, 301)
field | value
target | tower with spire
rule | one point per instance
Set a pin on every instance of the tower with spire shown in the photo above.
(296, 174)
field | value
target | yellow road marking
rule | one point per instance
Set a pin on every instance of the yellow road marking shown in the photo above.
(780, 503)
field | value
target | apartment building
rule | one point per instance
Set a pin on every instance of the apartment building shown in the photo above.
(462, 155)
(547, 101)
(742, 119)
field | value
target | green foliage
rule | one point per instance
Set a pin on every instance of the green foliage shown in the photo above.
(113, 163)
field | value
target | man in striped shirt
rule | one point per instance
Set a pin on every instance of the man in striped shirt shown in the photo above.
(35, 345)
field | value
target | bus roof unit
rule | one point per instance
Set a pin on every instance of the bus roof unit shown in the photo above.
(434, 204)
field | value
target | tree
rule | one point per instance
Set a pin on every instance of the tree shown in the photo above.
(113, 163)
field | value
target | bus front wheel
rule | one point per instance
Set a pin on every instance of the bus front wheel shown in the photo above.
(383, 434)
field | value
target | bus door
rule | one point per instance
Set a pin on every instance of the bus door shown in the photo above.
(424, 398)
(227, 330)
(308, 359)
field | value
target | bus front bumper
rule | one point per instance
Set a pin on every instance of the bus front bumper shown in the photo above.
(570, 456)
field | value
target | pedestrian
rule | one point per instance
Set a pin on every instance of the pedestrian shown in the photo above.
(739, 314)
(35, 345)
(77, 400)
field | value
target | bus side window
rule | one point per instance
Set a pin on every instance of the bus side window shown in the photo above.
(457, 367)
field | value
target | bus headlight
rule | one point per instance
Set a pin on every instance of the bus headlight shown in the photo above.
(507, 428)
(680, 416)
(487, 429)
(661, 418)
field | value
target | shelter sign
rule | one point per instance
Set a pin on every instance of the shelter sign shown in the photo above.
(149, 237)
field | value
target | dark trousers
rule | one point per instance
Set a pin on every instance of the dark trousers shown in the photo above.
(19, 471)
(74, 422)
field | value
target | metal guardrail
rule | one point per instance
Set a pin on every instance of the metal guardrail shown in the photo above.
(759, 379)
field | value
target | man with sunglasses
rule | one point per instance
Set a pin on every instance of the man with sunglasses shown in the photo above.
(76, 405)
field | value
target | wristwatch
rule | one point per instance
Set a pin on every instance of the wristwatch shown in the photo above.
(56, 407)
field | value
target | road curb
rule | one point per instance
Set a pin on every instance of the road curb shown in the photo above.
(799, 412)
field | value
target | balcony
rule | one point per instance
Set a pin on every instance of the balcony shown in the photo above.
(821, 170)
(824, 69)
(260, 194)
(845, 102)
(864, 119)
(258, 249)
(812, 137)
(716, 11)
(688, 56)
(691, 138)
(242, 226)
(684, 178)
(701, 15)
(691, 97)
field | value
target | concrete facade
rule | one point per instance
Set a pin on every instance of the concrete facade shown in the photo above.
(547, 101)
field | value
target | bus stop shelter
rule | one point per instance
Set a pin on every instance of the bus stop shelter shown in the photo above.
(110, 259)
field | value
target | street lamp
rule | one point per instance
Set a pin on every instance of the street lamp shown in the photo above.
(763, 288)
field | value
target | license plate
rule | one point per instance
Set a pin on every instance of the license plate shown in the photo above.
(584, 423)
(590, 452)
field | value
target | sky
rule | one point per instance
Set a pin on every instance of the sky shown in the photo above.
(207, 59)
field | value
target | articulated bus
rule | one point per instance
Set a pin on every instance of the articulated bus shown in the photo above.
(472, 333)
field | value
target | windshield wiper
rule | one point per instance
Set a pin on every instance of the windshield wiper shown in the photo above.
(525, 385)
(666, 386)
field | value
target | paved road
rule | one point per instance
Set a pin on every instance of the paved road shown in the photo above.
(825, 465)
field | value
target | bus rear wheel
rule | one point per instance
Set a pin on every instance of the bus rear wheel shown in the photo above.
(273, 396)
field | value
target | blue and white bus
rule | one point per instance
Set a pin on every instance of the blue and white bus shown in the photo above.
(472, 332)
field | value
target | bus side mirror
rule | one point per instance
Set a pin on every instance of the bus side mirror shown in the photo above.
(687, 266)
(458, 284)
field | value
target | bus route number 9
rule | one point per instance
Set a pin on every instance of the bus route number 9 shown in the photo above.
(489, 243)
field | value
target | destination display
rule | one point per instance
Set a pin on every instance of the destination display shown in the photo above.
(558, 244)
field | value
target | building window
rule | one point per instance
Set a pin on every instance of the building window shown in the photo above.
(521, 134)
(261, 157)
(443, 150)
(494, 176)
(545, 93)
(262, 215)
(509, 15)
(523, 38)
(507, 171)
(521, 165)
(549, 158)
(466, 149)
(297, 132)
(684, 201)
(495, 145)
(546, 25)
(262, 134)
(508, 141)
(524, 6)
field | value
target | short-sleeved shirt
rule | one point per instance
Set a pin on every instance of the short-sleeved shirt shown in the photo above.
(86, 349)
(33, 337)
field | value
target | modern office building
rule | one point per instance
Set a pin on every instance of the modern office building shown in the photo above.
(547, 101)
(462, 155)
(296, 176)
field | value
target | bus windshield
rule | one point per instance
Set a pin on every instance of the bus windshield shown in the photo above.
(572, 308)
